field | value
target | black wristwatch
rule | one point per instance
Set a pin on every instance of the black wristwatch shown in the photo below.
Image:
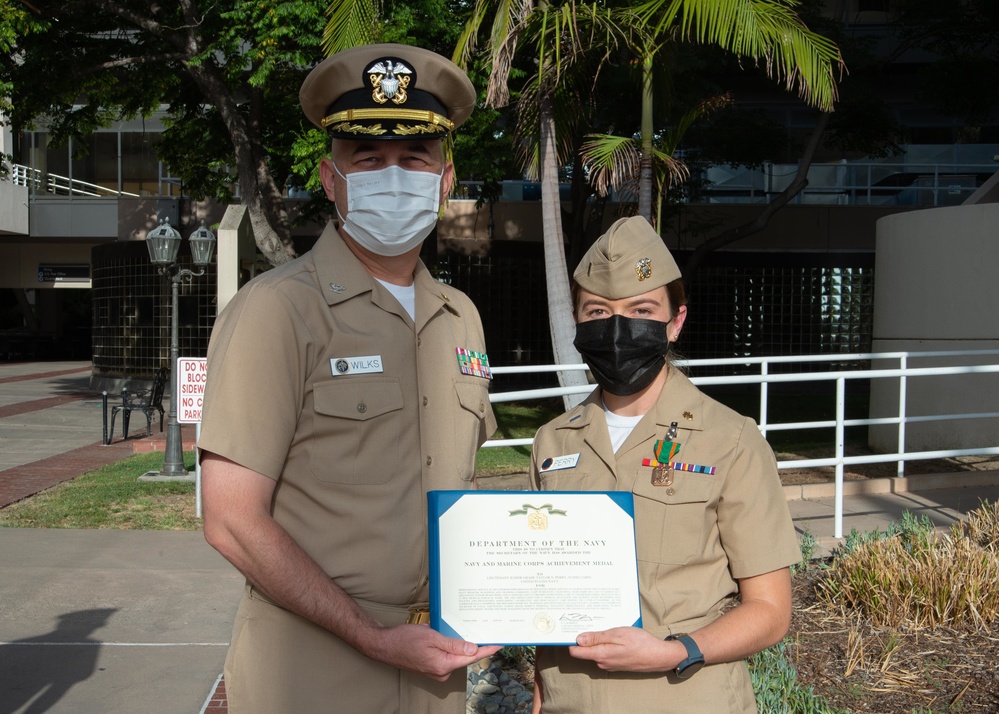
(695, 660)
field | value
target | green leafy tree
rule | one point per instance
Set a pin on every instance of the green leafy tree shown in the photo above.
(228, 70)
(481, 149)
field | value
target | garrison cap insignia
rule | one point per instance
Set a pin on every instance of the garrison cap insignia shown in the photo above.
(390, 78)
(643, 269)
(688, 416)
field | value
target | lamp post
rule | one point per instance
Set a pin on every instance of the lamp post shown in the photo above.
(163, 243)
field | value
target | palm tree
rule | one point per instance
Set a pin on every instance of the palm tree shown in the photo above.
(567, 40)
(766, 31)
(620, 162)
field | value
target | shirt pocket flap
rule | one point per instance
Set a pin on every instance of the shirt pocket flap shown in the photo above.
(687, 488)
(359, 399)
(473, 396)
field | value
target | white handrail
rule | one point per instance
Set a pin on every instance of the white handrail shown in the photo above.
(903, 373)
(26, 176)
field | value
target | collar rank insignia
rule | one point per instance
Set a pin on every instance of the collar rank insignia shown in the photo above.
(643, 269)
(390, 79)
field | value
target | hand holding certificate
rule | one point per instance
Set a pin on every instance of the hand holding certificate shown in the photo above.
(518, 567)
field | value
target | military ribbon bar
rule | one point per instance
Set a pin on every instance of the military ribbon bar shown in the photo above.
(473, 363)
(679, 466)
(695, 468)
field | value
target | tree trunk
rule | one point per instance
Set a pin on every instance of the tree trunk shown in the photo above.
(257, 188)
(760, 222)
(645, 167)
(563, 327)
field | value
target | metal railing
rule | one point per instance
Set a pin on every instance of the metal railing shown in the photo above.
(839, 424)
(34, 179)
(869, 183)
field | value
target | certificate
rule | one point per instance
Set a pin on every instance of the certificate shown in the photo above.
(531, 567)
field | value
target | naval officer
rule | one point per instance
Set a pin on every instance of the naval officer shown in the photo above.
(341, 388)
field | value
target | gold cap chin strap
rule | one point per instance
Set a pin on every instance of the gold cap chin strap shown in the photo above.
(348, 115)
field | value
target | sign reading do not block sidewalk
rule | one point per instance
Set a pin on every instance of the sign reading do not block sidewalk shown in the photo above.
(191, 375)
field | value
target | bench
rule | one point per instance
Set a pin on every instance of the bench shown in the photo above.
(147, 402)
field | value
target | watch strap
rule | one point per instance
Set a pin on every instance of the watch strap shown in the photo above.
(694, 660)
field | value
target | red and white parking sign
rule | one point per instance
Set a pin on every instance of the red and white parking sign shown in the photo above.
(191, 375)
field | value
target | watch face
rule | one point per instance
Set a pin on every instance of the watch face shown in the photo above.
(690, 670)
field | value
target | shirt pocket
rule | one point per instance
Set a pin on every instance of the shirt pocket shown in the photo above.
(357, 423)
(473, 399)
(671, 523)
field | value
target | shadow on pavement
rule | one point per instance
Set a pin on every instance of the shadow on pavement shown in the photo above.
(38, 671)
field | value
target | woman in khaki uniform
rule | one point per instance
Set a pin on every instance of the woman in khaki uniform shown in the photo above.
(714, 534)
(341, 388)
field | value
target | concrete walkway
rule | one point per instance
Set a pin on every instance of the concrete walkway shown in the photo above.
(109, 622)
(112, 622)
(99, 621)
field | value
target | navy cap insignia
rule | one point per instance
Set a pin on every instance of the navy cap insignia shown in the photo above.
(643, 268)
(390, 79)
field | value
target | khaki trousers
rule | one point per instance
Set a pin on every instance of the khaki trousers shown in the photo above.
(280, 663)
(573, 686)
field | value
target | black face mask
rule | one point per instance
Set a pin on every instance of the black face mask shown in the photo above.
(624, 354)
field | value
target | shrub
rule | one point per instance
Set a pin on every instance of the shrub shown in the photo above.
(981, 526)
(775, 682)
(907, 577)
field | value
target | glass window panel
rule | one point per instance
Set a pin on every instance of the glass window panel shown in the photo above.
(99, 168)
(139, 164)
(50, 163)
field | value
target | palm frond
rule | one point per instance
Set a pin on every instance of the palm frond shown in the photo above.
(570, 102)
(611, 161)
(672, 137)
(670, 171)
(767, 31)
(350, 23)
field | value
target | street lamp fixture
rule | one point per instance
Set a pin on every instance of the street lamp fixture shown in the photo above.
(163, 243)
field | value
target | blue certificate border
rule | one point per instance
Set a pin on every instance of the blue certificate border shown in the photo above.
(439, 502)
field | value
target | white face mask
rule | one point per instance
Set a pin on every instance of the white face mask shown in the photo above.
(390, 211)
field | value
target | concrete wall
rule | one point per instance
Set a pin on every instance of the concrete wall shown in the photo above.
(937, 289)
(466, 228)
(13, 209)
(792, 228)
(74, 218)
(19, 263)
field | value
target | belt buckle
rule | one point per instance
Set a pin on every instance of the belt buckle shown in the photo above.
(418, 616)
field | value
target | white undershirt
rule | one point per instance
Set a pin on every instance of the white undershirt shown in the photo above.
(620, 427)
(405, 294)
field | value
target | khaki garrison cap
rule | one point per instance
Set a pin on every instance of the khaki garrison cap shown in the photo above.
(628, 260)
(387, 92)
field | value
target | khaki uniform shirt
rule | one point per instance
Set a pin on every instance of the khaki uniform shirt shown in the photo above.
(319, 379)
(695, 538)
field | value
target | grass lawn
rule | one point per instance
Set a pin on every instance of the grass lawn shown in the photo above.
(113, 497)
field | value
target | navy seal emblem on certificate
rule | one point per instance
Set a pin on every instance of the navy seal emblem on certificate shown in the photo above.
(532, 567)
